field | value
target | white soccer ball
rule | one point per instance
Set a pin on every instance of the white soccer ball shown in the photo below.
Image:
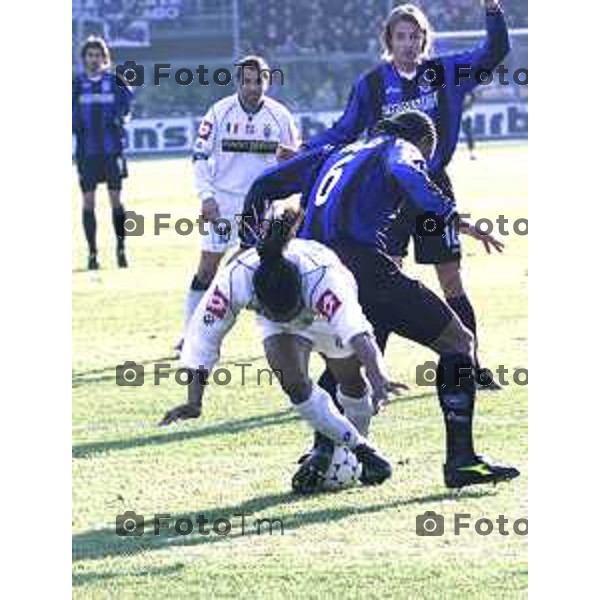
(344, 470)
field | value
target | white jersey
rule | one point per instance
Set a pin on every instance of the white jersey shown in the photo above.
(233, 147)
(329, 291)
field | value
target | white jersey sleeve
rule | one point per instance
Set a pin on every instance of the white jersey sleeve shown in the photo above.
(335, 297)
(202, 157)
(229, 293)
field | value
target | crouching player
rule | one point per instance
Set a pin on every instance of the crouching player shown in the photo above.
(306, 301)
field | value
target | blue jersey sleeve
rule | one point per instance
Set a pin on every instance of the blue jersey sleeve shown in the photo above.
(485, 56)
(408, 168)
(75, 120)
(124, 96)
(294, 176)
(358, 116)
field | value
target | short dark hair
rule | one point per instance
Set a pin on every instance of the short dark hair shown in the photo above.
(95, 41)
(413, 126)
(277, 281)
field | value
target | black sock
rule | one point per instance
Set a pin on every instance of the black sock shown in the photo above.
(89, 226)
(118, 219)
(456, 393)
(462, 306)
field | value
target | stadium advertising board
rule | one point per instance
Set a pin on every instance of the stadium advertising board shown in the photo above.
(493, 121)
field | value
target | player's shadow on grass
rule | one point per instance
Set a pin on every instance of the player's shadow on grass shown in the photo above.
(173, 434)
(105, 543)
(104, 374)
(87, 577)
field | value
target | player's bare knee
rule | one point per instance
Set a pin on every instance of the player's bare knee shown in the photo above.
(115, 198)
(298, 391)
(455, 339)
(89, 201)
(450, 279)
(208, 266)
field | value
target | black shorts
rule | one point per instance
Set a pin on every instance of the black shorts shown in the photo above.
(428, 250)
(93, 170)
(390, 300)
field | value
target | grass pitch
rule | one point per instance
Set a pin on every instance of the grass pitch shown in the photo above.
(239, 458)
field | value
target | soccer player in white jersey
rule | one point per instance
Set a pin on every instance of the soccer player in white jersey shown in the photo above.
(237, 140)
(306, 301)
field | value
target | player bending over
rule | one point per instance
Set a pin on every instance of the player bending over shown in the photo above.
(100, 103)
(351, 196)
(237, 140)
(306, 301)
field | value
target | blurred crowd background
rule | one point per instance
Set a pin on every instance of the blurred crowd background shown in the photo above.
(321, 46)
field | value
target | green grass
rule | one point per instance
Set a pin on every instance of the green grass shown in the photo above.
(358, 543)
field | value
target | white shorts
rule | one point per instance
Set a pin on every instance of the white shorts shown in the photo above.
(319, 334)
(222, 235)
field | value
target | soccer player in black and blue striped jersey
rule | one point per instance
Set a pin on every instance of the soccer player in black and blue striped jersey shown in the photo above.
(352, 196)
(100, 103)
(409, 78)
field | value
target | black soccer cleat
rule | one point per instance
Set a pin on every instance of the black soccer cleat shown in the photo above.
(375, 468)
(477, 471)
(309, 478)
(93, 264)
(484, 381)
(122, 259)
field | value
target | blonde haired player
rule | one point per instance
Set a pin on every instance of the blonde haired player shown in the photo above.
(239, 137)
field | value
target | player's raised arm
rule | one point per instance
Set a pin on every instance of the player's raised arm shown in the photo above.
(488, 54)
(293, 176)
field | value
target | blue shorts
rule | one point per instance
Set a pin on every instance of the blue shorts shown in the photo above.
(428, 250)
(109, 169)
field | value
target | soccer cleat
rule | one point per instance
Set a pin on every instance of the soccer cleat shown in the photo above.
(122, 259)
(93, 264)
(484, 381)
(477, 471)
(309, 478)
(375, 468)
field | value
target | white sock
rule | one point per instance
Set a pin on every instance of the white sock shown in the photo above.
(358, 410)
(322, 414)
(191, 302)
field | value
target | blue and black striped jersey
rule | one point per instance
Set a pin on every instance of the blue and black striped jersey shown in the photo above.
(99, 106)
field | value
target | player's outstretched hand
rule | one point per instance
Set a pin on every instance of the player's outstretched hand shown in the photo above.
(491, 4)
(487, 239)
(180, 413)
(382, 391)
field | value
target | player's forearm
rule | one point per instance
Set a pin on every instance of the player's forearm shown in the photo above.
(498, 41)
(197, 386)
(203, 179)
(368, 354)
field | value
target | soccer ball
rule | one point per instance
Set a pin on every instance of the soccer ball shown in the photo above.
(344, 470)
